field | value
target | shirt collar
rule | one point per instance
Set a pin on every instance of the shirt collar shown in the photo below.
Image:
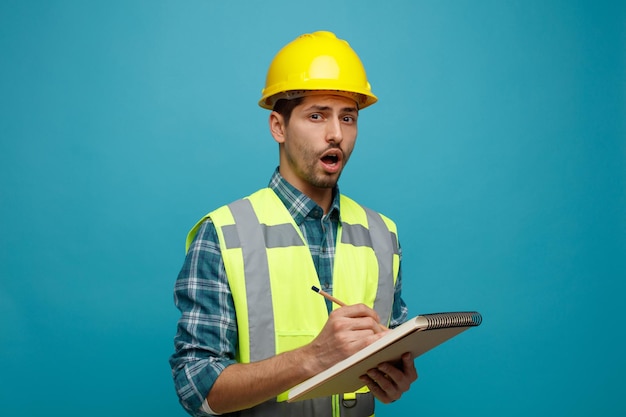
(298, 204)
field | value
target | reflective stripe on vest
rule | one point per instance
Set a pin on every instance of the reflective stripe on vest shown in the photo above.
(385, 245)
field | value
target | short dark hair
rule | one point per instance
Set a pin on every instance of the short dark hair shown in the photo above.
(285, 106)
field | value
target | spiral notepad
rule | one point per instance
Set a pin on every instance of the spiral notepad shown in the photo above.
(418, 335)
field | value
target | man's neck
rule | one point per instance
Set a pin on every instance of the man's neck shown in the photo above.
(323, 197)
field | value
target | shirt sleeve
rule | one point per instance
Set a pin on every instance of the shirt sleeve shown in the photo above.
(399, 312)
(206, 337)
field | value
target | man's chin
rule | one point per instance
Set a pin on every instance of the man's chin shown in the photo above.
(327, 181)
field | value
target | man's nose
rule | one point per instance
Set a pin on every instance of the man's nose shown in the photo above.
(334, 131)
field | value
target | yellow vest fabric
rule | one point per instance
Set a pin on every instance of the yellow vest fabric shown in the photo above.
(298, 313)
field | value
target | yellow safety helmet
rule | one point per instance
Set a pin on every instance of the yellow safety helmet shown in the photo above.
(316, 62)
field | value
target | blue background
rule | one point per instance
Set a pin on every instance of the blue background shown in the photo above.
(498, 146)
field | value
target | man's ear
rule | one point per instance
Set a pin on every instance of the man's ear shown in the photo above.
(277, 126)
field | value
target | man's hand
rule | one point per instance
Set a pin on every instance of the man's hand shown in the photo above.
(388, 382)
(348, 330)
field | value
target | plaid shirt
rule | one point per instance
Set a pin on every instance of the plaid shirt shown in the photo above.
(206, 340)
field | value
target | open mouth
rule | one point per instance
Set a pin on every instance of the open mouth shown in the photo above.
(330, 159)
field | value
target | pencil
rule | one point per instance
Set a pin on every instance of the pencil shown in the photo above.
(338, 302)
(328, 296)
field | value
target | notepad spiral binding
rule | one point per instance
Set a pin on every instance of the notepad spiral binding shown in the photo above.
(458, 319)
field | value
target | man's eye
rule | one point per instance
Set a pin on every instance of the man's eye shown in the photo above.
(316, 116)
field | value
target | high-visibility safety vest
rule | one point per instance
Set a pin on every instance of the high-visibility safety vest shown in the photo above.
(270, 272)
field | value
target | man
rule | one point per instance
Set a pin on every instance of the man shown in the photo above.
(251, 328)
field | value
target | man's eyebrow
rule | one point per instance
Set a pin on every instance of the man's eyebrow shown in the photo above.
(326, 108)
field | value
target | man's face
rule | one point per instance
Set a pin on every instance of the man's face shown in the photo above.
(318, 141)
